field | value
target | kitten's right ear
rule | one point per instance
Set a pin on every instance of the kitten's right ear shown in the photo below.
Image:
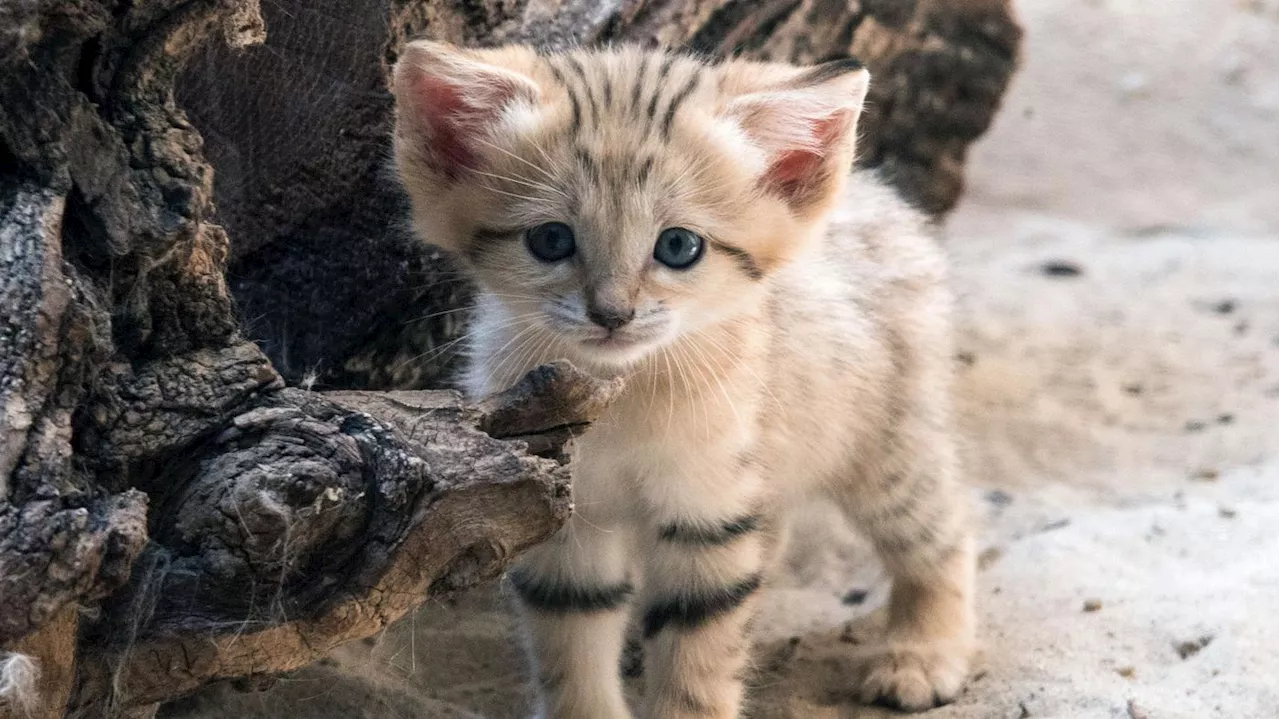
(806, 125)
(448, 100)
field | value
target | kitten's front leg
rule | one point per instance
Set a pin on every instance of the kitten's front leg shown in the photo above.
(702, 572)
(575, 591)
(915, 516)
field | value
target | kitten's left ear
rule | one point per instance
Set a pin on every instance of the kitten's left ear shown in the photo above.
(806, 126)
(448, 99)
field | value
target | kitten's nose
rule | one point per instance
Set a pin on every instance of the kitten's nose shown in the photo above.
(611, 316)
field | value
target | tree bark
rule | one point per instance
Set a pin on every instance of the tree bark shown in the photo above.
(349, 509)
(158, 467)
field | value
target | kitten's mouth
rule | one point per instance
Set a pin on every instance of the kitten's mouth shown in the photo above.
(612, 342)
(616, 349)
(595, 345)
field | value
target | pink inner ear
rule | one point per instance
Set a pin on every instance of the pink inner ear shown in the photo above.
(455, 110)
(798, 174)
(441, 107)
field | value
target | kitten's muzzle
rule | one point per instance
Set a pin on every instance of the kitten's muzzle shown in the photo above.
(611, 317)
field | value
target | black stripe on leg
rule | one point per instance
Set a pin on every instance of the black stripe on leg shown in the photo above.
(563, 598)
(694, 610)
(709, 536)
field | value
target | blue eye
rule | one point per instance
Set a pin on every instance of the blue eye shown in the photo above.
(678, 248)
(550, 242)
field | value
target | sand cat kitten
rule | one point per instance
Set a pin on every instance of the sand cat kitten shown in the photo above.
(647, 215)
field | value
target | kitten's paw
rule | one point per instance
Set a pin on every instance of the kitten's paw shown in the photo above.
(914, 677)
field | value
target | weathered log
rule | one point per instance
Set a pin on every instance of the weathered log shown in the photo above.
(313, 520)
(154, 468)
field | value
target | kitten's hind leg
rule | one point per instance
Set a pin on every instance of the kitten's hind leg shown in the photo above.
(916, 517)
(575, 590)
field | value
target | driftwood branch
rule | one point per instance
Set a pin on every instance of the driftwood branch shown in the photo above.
(312, 520)
(174, 512)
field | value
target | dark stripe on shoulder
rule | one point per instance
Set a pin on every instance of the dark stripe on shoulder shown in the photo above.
(561, 598)
(829, 71)
(679, 98)
(691, 611)
(710, 536)
(745, 261)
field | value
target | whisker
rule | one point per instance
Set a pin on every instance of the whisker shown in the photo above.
(690, 390)
(671, 395)
(507, 371)
(437, 351)
(716, 375)
(559, 166)
(515, 195)
(760, 381)
(514, 156)
(653, 384)
(522, 181)
(699, 371)
(441, 313)
(522, 362)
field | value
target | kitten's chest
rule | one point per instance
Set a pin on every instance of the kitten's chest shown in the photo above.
(655, 429)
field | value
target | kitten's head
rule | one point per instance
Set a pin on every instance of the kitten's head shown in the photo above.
(617, 199)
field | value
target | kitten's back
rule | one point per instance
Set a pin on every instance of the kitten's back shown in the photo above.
(852, 322)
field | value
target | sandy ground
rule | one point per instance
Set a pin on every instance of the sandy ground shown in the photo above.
(1120, 413)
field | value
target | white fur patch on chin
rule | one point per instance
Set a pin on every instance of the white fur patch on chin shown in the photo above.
(612, 359)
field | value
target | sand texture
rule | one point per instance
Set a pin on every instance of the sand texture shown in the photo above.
(1116, 261)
